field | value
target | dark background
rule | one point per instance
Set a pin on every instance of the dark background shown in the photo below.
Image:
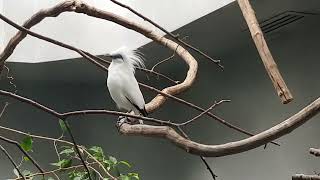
(76, 84)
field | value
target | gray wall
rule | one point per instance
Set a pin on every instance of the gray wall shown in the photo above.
(76, 84)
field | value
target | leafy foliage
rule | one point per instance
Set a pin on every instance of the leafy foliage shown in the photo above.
(117, 168)
(27, 143)
(68, 162)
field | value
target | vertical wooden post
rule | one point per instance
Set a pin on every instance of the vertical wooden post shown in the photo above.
(265, 54)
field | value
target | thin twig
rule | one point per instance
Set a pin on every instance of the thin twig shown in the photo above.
(163, 61)
(176, 37)
(97, 58)
(11, 160)
(77, 148)
(203, 159)
(11, 79)
(204, 112)
(10, 141)
(61, 141)
(83, 112)
(198, 108)
(104, 68)
(57, 170)
(4, 108)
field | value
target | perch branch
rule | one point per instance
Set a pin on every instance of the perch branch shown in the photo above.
(12, 161)
(315, 152)
(158, 100)
(265, 54)
(176, 37)
(305, 177)
(230, 148)
(85, 112)
(165, 131)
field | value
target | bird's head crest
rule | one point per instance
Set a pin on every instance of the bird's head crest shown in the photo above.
(133, 58)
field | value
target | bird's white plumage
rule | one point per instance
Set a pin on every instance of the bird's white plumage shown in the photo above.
(121, 82)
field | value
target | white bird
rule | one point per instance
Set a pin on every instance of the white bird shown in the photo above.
(121, 82)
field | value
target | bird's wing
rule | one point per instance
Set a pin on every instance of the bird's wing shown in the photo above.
(132, 92)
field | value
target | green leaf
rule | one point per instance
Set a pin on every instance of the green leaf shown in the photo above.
(124, 177)
(68, 151)
(25, 158)
(50, 178)
(125, 163)
(62, 125)
(64, 163)
(26, 173)
(134, 176)
(97, 153)
(113, 160)
(26, 143)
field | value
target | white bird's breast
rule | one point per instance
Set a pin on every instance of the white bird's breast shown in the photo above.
(122, 86)
(116, 83)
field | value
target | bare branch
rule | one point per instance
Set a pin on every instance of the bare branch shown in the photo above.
(305, 177)
(235, 147)
(176, 37)
(77, 148)
(61, 141)
(164, 60)
(4, 109)
(200, 109)
(12, 161)
(23, 151)
(81, 7)
(265, 54)
(204, 112)
(203, 159)
(58, 170)
(315, 152)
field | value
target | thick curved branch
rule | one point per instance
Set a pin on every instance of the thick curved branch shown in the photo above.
(81, 7)
(72, 6)
(176, 37)
(255, 141)
(162, 131)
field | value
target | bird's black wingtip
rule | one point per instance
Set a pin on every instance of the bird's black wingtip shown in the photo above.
(144, 112)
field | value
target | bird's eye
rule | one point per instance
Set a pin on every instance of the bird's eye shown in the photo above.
(117, 56)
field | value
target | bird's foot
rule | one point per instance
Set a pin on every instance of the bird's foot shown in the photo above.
(127, 120)
(121, 121)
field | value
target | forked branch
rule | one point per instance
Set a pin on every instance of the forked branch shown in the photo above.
(76, 6)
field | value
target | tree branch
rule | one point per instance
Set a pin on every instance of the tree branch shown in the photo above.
(12, 161)
(61, 141)
(77, 148)
(176, 37)
(305, 177)
(81, 7)
(315, 152)
(23, 151)
(265, 54)
(235, 147)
